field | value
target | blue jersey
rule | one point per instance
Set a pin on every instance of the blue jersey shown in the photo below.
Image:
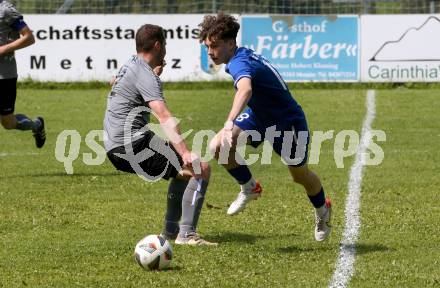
(271, 101)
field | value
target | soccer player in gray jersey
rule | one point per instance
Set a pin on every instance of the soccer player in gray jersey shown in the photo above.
(131, 147)
(14, 35)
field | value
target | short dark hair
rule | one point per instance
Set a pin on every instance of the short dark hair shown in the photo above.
(222, 26)
(147, 35)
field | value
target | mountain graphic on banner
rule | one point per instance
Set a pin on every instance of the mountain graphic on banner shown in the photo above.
(416, 44)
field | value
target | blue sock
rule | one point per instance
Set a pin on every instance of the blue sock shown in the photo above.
(24, 123)
(241, 174)
(319, 199)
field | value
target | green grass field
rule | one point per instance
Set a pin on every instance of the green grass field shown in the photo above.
(80, 230)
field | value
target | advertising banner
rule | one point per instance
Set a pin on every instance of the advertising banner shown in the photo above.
(94, 47)
(306, 48)
(400, 48)
(372, 48)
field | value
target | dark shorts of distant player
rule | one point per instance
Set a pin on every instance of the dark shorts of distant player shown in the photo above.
(8, 94)
(248, 121)
(154, 165)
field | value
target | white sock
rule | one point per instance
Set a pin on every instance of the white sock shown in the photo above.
(321, 210)
(249, 185)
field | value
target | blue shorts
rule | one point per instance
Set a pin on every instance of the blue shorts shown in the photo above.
(290, 139)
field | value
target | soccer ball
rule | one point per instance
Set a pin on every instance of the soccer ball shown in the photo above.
(153, 252)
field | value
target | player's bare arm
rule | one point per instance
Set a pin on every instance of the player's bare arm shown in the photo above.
(242, 96)
(26, 39)
(172, 130)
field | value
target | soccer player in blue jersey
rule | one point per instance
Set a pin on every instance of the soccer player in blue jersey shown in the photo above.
(269, 103)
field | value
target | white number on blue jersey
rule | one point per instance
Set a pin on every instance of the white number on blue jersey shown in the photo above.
(242, 117)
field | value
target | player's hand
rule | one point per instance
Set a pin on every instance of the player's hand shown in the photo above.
(112, 81)
(186, 159)
(226, 137)
(192, 161)
(159, 69)
(189, 159)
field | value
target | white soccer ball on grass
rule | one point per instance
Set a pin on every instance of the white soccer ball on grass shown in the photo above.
(153, 252)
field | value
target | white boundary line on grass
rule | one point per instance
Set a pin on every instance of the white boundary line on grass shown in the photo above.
(12, 154)
(345, 264)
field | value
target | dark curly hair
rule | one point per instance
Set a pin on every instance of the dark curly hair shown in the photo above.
(222, 27)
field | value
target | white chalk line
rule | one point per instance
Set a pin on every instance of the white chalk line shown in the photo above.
(13, 154)
(345, 264)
